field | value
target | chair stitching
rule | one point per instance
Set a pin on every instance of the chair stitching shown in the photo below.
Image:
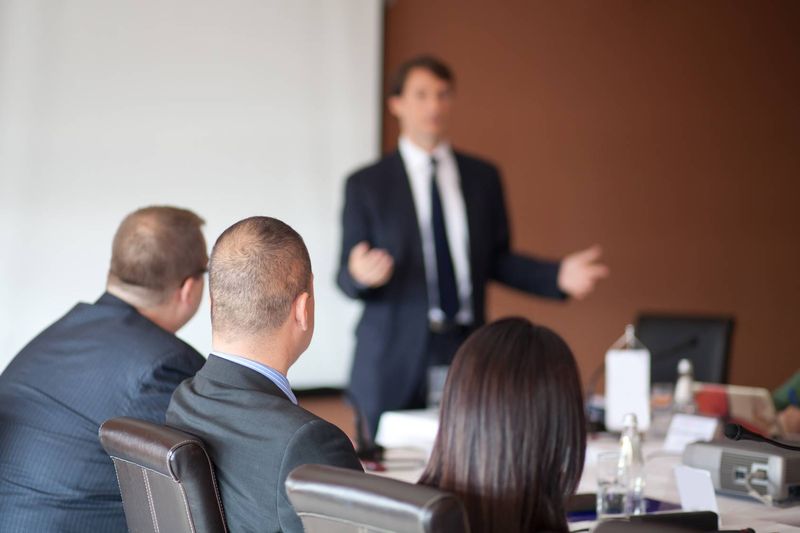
(180, 485)
(137, 465)
(186, 507)
(150, 499)
(213, 480)
(216, 493)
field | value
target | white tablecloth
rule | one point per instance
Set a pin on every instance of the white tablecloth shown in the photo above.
(409, 437)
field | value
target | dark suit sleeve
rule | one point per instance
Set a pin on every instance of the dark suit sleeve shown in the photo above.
(317, 442)
(522, 272)
(355, 228)
(154, 390)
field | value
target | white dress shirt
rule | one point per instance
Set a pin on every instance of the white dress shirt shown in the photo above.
(418, 167)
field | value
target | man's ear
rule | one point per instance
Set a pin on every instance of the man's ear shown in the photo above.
(187, 288)
(394, 104)
(301, 310)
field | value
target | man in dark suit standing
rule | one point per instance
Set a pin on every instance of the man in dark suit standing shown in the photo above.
(424, 230)
(240, 403)
(116, 357)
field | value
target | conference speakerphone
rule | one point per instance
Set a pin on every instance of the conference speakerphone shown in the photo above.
(742, 468)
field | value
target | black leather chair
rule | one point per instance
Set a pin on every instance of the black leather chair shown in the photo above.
(165, 476)
(704, 340)
(669, 522)
(620, 526)
(337, 500)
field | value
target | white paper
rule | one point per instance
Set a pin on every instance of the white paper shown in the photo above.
(685, 429)
(627, 387)
(414, 429)
(695, 489)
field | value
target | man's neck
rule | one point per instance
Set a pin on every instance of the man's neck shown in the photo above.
(267, 351)
(426, 143)
(157, 314)
(158, 317)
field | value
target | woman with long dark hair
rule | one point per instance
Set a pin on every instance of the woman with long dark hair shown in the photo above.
(512, 434)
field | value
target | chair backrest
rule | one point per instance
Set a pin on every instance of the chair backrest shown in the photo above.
(704, 340)
(337, 500)
(165, 476)
(621, 526)
(669, 522)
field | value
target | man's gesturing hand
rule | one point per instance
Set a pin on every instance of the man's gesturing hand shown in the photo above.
(370, 267)
(580, 271)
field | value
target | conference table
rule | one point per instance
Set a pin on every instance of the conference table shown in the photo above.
(408, 437)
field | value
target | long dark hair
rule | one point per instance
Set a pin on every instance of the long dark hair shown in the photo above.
(512, 433)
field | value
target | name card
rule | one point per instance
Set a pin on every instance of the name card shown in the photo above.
(696, 490)
(685, 429)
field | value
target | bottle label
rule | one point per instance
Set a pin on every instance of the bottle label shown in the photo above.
(627, 388)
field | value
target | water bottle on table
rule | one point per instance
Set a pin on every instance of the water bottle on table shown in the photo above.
(620, 475)
(683, 398)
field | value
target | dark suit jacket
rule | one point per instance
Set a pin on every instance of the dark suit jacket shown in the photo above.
(255, 436)
(392, 334)
(99, 361)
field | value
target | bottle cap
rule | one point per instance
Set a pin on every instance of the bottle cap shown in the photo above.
(630, 421)
(630, 335)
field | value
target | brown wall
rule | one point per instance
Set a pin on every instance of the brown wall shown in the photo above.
(667, 131)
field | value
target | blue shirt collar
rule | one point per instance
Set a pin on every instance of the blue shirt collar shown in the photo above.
(267, 371)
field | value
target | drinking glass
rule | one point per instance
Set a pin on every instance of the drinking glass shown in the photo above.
(611, 491)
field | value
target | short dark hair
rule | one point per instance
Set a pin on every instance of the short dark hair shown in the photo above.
(257, 268)
(155, 249)
(435, 66)
(512, 432)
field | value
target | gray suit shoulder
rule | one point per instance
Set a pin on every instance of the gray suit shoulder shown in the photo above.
(315, 442)
(315, 428)
(319, 442)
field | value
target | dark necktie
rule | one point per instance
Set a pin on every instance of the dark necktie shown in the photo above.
(446, 275)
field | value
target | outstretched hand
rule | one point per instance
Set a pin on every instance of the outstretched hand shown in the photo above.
(789, 419)
(371, 267)
(580, 272)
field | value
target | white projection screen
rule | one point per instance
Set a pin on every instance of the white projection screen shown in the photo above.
(232, 109)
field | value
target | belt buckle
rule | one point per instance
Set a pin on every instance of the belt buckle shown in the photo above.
(440, 326)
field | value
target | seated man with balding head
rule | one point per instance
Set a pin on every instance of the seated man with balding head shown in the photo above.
(240, 403)
(116, 357)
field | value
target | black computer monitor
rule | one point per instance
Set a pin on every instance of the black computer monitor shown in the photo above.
(704, 340)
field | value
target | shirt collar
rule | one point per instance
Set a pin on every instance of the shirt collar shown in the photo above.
(267, 371)
(416, 157)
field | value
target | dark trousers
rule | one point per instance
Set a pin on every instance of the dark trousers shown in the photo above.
(440, 351)
(441, 348)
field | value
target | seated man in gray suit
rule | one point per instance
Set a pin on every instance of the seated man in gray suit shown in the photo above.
(240, 403)
(118, 356)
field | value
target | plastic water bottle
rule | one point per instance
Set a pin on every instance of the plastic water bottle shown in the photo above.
(631, 466)
(683, 398)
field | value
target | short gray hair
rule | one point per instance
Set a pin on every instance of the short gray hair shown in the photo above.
(258, 267)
